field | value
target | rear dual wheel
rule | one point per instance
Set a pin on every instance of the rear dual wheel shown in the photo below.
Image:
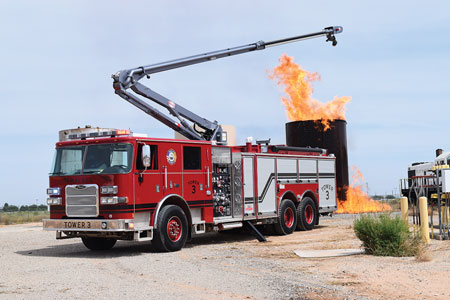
(287, 218)
(306, 214)
(172, 229)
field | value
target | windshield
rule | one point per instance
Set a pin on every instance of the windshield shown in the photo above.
(93, 159)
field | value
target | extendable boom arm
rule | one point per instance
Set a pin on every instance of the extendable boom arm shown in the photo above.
(128, 79)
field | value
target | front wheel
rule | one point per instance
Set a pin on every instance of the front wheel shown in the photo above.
(287, 218)
(95, 244)
(172, 229)
(306, 214)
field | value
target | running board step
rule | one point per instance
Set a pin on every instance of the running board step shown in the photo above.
(255, 232)
(227, 226)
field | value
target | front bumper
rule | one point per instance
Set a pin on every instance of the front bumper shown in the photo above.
(87, 225)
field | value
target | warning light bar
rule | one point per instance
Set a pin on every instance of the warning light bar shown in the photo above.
(113, 133)
(123, 132)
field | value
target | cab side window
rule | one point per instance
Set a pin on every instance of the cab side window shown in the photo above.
(154, 158)
(192, 158)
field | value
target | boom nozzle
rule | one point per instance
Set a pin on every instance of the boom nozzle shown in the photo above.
(331, 32)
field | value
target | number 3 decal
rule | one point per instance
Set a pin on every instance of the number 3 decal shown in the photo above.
(193, 189)
(328, 195)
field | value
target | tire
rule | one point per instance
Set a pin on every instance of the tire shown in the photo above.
(96, 244)
(287, 218)
(172, 229)
(307, 214)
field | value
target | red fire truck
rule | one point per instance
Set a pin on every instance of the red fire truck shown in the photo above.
(108, 185)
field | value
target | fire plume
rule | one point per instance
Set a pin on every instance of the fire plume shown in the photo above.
(357, 200)
(300, 106)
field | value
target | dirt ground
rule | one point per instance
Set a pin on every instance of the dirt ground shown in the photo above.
(33, 265)
(363, 275)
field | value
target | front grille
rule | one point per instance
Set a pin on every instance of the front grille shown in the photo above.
(82, 200)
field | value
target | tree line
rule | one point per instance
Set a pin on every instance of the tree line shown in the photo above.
(381, 197)
(33, 207)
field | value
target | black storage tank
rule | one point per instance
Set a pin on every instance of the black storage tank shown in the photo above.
(311, 133)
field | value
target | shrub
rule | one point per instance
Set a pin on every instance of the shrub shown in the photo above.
(383, 235)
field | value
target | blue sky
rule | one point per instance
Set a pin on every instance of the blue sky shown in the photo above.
(57, 57)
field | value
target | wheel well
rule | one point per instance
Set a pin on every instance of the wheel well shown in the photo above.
(175, 200)
(291, 196)
(311, 195)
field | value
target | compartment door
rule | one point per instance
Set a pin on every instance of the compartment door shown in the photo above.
(267, 201)
(327, 185)
(249, 188)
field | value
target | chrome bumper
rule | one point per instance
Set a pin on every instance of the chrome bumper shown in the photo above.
(87, 225)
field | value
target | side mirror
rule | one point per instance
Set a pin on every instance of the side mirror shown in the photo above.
(146, 156)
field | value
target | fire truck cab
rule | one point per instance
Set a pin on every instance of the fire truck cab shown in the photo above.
(109, 186)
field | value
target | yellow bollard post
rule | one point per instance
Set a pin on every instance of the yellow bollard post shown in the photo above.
(445, 214)
(424, 228)
(404, 208)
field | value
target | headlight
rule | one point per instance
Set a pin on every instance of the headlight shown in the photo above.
(109, 189)
(108, 200)
(54, 191)
(54, 201)
(113, 200)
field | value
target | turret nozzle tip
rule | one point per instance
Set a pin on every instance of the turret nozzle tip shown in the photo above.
(338, 29)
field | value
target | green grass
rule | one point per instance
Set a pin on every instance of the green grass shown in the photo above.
(9, 218)
(383, 235)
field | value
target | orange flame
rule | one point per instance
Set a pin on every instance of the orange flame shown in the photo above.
(357, 200)
(300, 106)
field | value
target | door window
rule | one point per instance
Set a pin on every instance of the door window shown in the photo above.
(192, 158)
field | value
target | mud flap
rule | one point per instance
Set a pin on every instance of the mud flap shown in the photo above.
(189, 236)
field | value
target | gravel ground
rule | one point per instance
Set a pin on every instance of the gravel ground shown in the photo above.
(33, 265)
